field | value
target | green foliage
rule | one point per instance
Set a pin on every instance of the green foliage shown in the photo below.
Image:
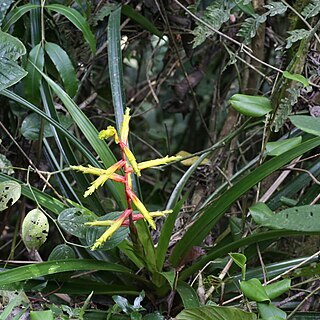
(35, 228)
(215, 15)
(311, 9)
(250, 26)
(296, 35)
(251, 106)
(279, 147)
(296, 77)
(11, 49)
(10, 193)
(275, 8)
(307, 124)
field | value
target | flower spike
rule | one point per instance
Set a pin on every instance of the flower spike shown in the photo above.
(157, 162)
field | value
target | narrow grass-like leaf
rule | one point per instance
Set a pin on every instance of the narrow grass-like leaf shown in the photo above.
(215, 313)
(222, 251)
(15, 14)
(201, 228)
(115, 66)
(78, 20)
(91, 133)
(140, 19)
(33, 79)
(53, 267)
(64, 66)
(278, 147)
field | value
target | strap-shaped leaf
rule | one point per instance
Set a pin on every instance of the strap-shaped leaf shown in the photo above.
(15, 14)
(64, 66)
(201, 228)
(78, 20)
(33, 80)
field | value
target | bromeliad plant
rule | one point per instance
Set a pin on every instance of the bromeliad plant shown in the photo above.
(129, 165)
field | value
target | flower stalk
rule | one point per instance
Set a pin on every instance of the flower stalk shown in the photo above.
(129, 165)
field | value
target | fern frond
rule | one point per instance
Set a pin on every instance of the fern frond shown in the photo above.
(275, 8)
(296, 35)
(250, 26)
(312, 9)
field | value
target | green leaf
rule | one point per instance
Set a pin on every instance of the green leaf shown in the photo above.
(91, 133)
(62, 252)
(41, 315)
(271, 312)
(78, 20)
(304, 218)
(64, 66)
(312, 9)
(296, 35)
(72, 220)
(5, 165)
(296, 77)
(140, 19)
(261, 212)
(239, 259)
(275, 8)
(276, 289)
(52, 267)
(31, 127)
(203, 225)
(188, 295)
(279, 147)
(104, 12)
(35, 228)
(307, 124)
(252, 106)
(215, 313)
(4, 6)
(33, 79)
(15, 14)
(10, 50)
(254, 290)
(10, 193)
(93, 233)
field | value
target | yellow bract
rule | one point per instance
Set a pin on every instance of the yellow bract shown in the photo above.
(157, 162)
(132, 159)
(108, 234)
(110, 132)
(125, 127)
(146, 214)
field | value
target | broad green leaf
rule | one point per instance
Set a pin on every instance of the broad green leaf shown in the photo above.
(188, 295)
(62, 252)
(52, 267)
(15, 14)
(252, 106)
(93, 233)
(279, 147)
(215, 313)
(276, 289)
(307, 124)
(140, 19)
(72, 220)
(170, 277)
(268, 311)
(10, 193)
(78, 20)
(204, 224)
(5, 165)
(304, 218)
(64, 66)
(31, 127)
(41, 315)
(33, 79)
(254, 290)
(296, 77)
(10, 50)
(4, 6)
(239, 259)
(35, 228)
(261, 211)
